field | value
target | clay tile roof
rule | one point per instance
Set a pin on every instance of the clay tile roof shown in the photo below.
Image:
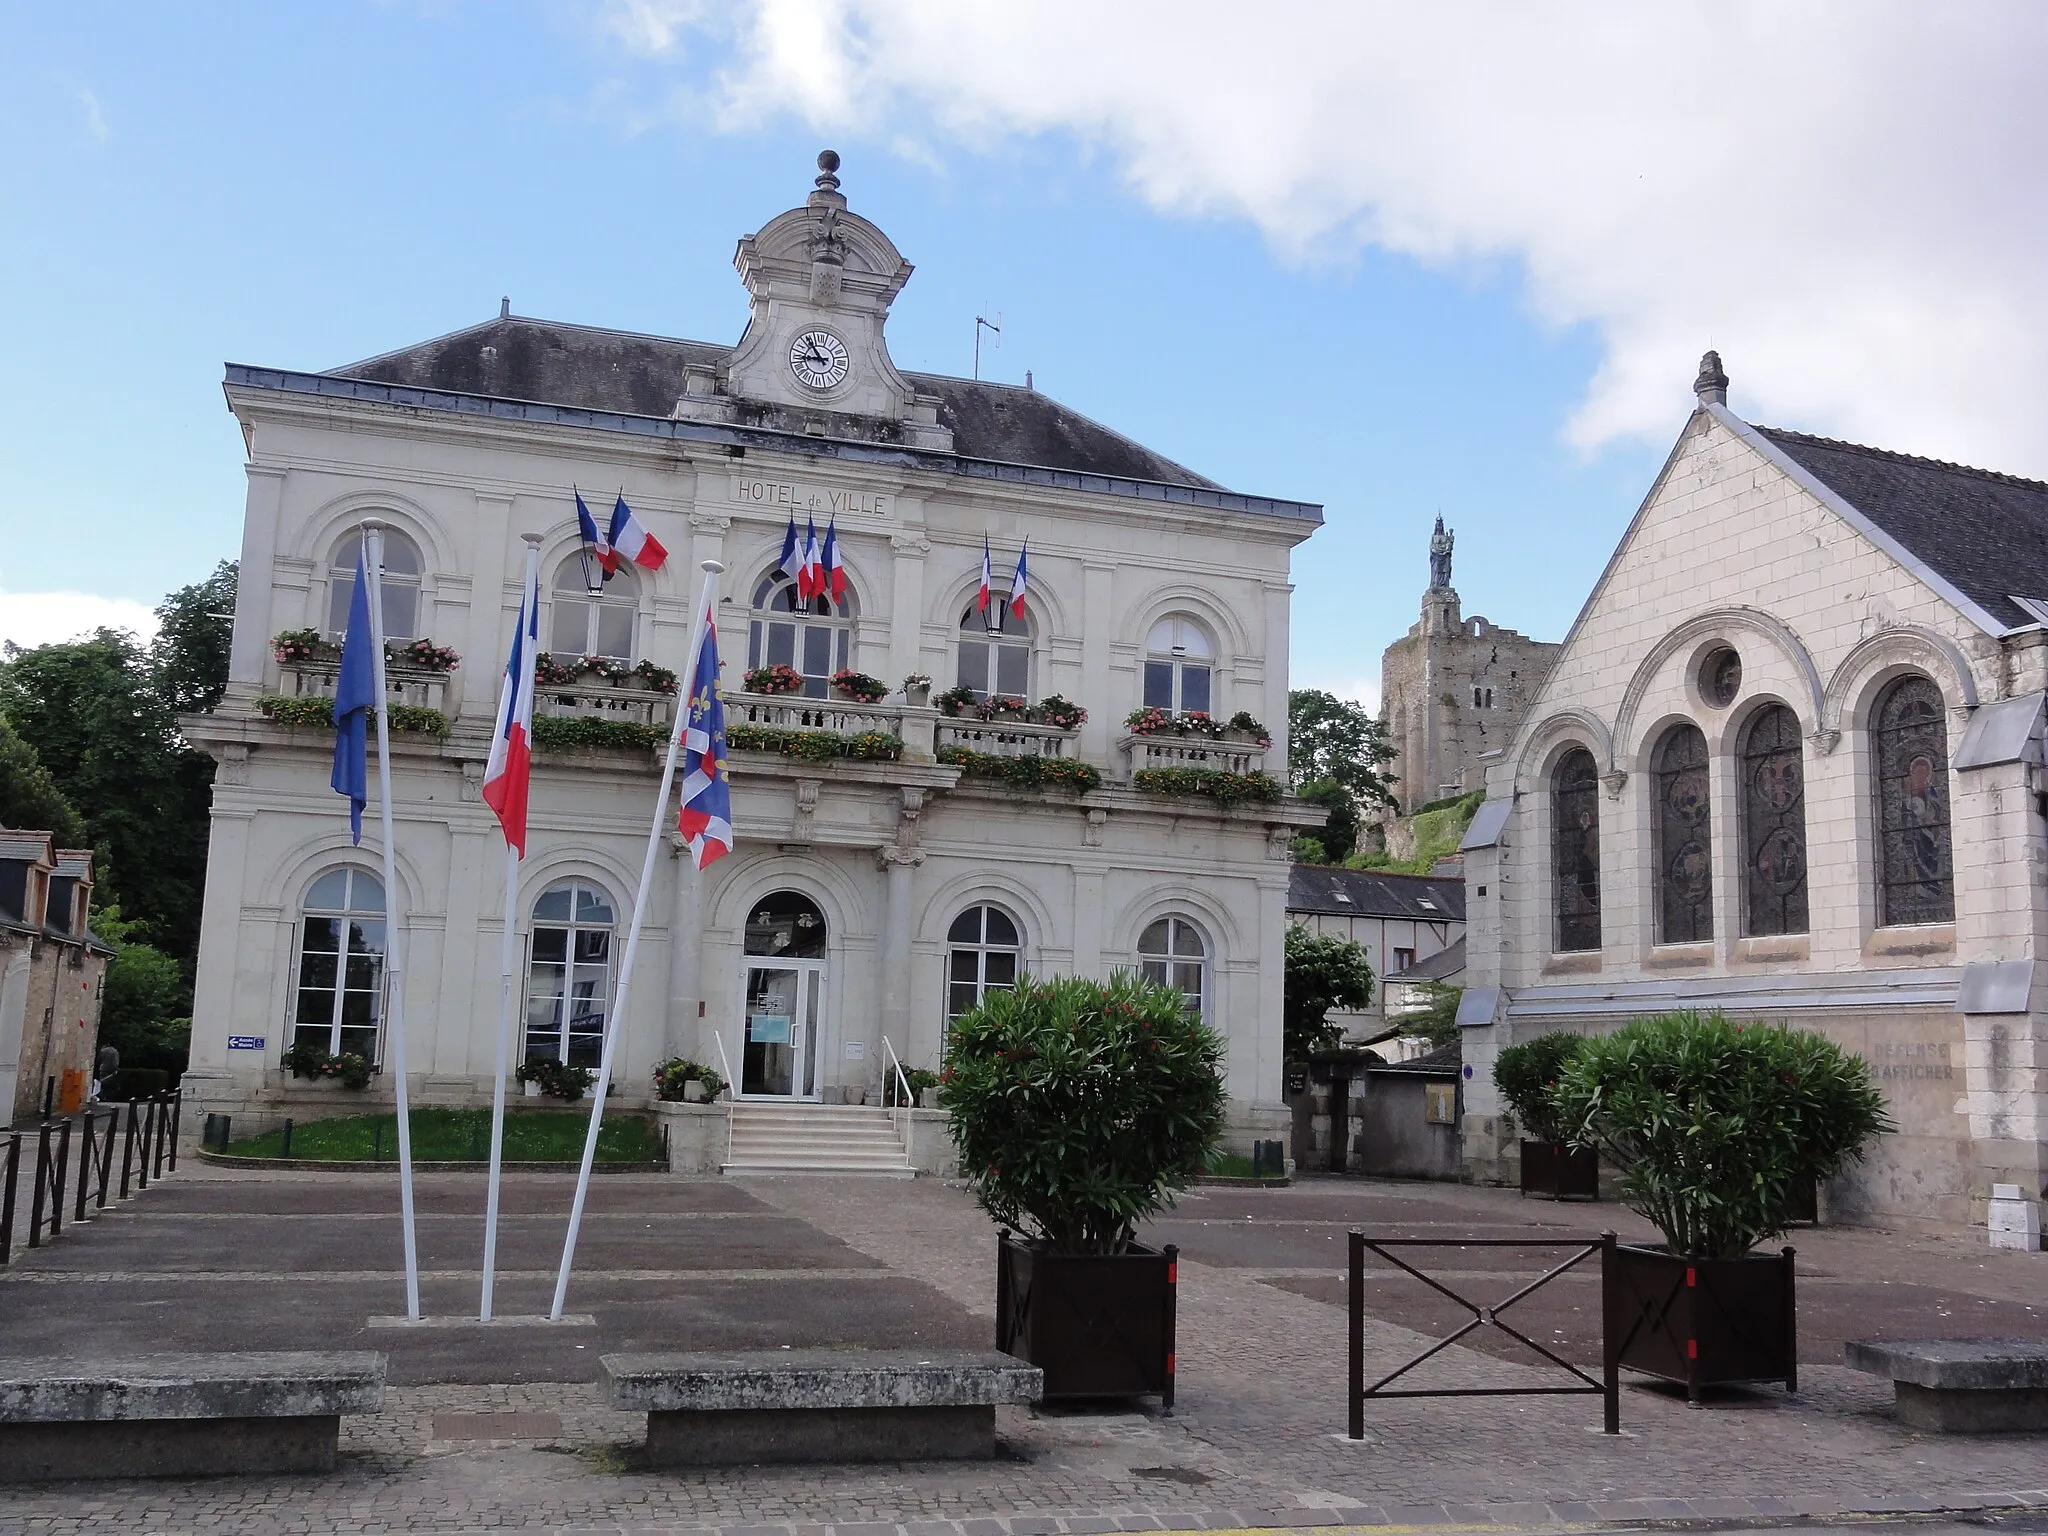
(1984, 532)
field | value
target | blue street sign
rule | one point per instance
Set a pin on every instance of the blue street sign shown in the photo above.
(245, 1042)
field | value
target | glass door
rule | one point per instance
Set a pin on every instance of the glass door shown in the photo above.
(779, 1053)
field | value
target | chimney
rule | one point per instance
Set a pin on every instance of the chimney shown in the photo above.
(505, 307)
(1712, 384)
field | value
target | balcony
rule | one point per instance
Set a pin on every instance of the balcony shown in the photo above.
(590, 698)
(407, 686)
(999, 738)
(795, 712)
(1233, 752)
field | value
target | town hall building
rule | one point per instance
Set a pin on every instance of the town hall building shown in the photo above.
(1034, 793)
(1789, 764)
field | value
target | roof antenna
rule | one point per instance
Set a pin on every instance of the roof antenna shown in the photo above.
(505, 307)
(995, 325)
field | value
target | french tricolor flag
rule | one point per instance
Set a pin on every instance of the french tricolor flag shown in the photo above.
(810, 572)
(987, 578)
(594, 536)
(1017, 583)
(632, 541)
(833, 569)
(510, 769)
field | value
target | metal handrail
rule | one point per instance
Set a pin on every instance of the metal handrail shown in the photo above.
(903, 1104)
(732, 1087)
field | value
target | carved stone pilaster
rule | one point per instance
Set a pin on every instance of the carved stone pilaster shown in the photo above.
(803, 828)
(893, 857)
(709, 522)
(1091, 834)
(234, 765)
(1280, 843)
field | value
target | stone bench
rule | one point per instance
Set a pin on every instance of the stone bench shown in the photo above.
(1961, 1386)
(180, 1415)
(793, 1405)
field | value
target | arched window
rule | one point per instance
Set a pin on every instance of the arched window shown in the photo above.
(998, 661)
(1773, 824)
(585, 624)
(1171, 951)
(339, 1002)
(401, 585)
(569, 976)
(1179, 664)
(1685, 875)
(815, 637)
(1916, 869)
(785, 969)
(983, 950)
(1575, 849)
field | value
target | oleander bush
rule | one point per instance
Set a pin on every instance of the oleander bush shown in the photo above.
(1079, 1107)
(1716, 1127)
(1527, 1073)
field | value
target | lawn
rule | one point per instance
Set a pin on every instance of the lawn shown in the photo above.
(460, 1136)
(1232, 1165)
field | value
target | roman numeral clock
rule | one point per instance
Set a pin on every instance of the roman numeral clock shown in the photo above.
(818, 360)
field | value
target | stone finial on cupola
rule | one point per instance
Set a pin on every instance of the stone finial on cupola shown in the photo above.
(1712, 384)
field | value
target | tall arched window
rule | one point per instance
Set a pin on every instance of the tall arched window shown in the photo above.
(339, 1001)
(569, 976)
(1773, 824)
(587, 624)
(995, 661)
(1685, 874)
(1575, 849)
(401, 585)
(1179, 665)
(983, 950)
(1170, 950)
(1916, 870)
(815, 637)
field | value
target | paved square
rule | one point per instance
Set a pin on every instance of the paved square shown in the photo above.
(507, 1428)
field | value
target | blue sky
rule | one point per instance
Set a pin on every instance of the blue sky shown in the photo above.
(307, 185)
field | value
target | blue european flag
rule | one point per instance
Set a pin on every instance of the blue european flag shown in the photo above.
(355, 695)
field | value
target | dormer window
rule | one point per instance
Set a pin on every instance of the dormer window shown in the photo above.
(63, 898)
(14, 889)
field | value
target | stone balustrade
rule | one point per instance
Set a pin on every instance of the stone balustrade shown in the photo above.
(1233, 753)
(1003, 738)
(592, 699)
(407, 685)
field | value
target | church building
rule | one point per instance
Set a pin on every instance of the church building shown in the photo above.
(1789, 765)
(1076, 788)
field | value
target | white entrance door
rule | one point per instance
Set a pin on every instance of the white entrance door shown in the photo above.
(779, 1053)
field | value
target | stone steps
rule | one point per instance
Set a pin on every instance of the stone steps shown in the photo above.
(771, 1138)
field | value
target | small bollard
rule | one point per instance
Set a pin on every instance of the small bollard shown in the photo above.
(286, 1149)
(1269, 1160)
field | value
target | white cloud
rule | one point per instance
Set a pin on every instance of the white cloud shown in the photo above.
(1339, 679)
(96, 126)
(29, 619)
(1847, 197)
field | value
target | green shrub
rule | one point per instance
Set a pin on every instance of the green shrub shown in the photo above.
(919, 1080)
(1079, 1107)
(556, 1080)
(309, 709)
(670, 1075)
(1527, 1072)
(567, 733)
(1061, 773)
(1224, 788)
(814, 746)
(350, 1068)
(1323, 971)
(1715, 1125)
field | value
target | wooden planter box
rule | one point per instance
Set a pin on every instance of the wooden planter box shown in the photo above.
(1097, 1326)
(1702, 1322)
(1561, 1171)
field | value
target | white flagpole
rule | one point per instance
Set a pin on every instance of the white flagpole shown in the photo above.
(394, 963)
(508, 952)
(616, 1025)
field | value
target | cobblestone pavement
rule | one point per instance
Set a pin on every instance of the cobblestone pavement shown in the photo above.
(1254, 1440)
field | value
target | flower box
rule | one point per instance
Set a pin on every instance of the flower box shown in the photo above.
(1702, 1322)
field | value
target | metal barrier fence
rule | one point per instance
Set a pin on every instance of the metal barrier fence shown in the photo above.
(149, 1149)
(1607, 1388)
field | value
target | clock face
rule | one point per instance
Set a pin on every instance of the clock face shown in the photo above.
(817, 359)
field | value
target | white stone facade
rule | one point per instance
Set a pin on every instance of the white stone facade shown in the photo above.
(1740, 546)
(890, 852)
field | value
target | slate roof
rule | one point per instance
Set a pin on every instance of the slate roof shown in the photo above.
(1441, 966)
(593, 369)
(1985, 533)
(1372, 893)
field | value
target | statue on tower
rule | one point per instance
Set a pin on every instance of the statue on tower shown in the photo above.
(1440, 544)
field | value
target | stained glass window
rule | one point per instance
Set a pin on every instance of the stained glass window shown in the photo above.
(1575, 849)
(1685, 875)
(1773, 824)
(1909, 739)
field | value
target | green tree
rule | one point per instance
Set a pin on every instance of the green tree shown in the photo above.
(1433, 1013)
(29, 797)
(1340, 833)
(1330, 738)
(1323, 972)
(196, 629)
(146, 1008)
